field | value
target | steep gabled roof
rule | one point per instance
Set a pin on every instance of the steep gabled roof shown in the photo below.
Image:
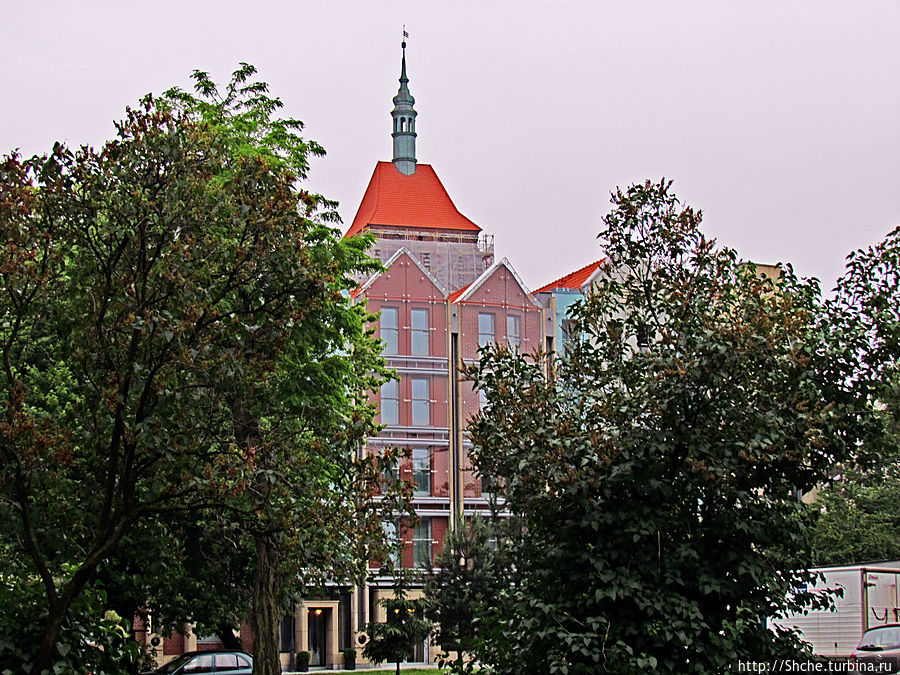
(574, 280)
(415, 201)
(464, 294)
(387, 265)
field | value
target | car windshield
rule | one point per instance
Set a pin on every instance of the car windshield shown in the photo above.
(880, 638)
(172, 666)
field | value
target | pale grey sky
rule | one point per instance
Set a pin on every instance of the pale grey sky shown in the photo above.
(780, 119)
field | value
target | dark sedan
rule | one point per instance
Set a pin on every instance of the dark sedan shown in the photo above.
(219, 661)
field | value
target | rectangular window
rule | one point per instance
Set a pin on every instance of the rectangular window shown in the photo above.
(485, 329)
(390, 402)
(482, 399)
(421, 466)
(388, 328)
(569, 332)
(514, 331)
(390, 476)
(422, 543)
(643, 337)
(393, 541)
(421, 401)
(419, 332)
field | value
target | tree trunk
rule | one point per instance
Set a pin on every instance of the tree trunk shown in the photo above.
(227, 637)
(265, 611)
(57, 610)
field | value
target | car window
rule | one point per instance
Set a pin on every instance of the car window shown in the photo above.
(243, 662)
(226, 662)
(172, 666)
(881, 638)
(199, 664)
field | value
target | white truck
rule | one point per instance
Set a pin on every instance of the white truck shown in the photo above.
(871, 598)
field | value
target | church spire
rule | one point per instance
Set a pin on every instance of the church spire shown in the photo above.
(404, 120)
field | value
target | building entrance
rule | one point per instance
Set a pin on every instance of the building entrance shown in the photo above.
(317, 623)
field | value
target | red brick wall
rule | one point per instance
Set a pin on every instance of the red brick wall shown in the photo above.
(404, 286)
(500, 295)
(174, 644)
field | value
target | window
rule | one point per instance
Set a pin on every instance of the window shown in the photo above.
(421, 401)
(569, 331)
(390, 536)
(200, 664)
(485, 329)
(419, 332)
(643, 337)
(390, 402)
(482, 399)
(422, 543)
(390, 476)
(388, 326)
(487, 486)
(514, 331)
(421, 466)
(285, 639)
(228, 663)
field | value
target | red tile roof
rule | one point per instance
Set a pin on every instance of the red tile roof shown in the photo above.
(574, 280)
(455, 294)
(417, 201)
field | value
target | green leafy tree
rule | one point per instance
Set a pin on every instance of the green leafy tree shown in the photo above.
(394, 639)
(652, 485)
(463, 589)
(176, 338)
(859, 518)
(860, 505)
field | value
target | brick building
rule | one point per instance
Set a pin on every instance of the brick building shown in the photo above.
(440, 297)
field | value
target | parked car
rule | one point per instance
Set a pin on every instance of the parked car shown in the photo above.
(879, 649)
(218, 661)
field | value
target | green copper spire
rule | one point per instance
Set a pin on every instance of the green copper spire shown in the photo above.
(404, 120)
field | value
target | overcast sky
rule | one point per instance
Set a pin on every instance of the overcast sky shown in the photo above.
(780, 119)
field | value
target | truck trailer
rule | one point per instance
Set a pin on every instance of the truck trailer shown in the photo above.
(870, 598)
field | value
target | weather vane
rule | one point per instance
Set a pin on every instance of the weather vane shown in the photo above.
(405, 35)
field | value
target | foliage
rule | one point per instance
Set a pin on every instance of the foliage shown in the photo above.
(462, 591)
(859, 519)
(92, 639)
(404, 627)
(859, 506)
(178, 346)
(653, 487)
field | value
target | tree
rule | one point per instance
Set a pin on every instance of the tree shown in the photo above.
(859, 505)
(463, 589)
(653, 484)
(176, 337)
(403, 627)
(859, 518)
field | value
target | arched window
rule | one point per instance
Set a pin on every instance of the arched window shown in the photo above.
(411, 123)
(402, 124)
(395, 124)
